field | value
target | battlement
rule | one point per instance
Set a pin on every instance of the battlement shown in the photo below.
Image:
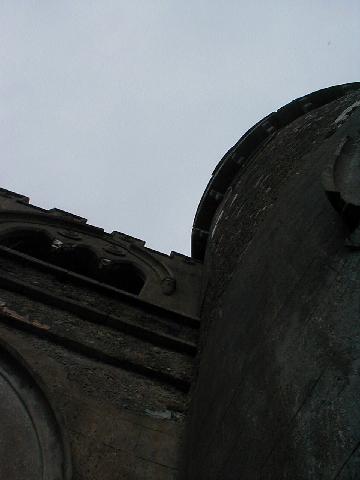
(170, 281)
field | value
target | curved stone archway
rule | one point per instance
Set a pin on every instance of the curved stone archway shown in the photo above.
(31, 440)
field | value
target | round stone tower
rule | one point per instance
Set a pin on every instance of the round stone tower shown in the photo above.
(278, 387)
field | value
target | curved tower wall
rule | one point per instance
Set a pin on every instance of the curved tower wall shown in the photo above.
(278, 388)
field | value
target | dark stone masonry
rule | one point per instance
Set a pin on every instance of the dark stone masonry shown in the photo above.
(240, 362)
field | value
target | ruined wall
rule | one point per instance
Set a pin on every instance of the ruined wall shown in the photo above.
(278, 383)
(112, 368)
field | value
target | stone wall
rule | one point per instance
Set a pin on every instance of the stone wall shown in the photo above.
(113, 368)
(278, 383)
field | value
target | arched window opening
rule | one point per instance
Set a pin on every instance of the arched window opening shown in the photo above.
(34, 243)
(124, 276)
(78, 259)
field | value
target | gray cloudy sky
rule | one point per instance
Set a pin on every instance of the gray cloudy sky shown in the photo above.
(119, 110)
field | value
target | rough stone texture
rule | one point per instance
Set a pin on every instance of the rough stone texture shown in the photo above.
(99, 333)
(278, 382)
(115, 366)
(32, 441)
(107, 413)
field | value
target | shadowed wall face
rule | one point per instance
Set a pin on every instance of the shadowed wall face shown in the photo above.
(102, 336)
(278, 378)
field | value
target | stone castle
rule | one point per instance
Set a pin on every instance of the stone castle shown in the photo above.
(240, 362)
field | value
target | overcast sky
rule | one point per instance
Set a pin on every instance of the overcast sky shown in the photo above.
(118, 110)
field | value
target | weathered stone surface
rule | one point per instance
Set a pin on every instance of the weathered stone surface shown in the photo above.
(102, 331)
(116, 363)
(276, 391)
(32, 441)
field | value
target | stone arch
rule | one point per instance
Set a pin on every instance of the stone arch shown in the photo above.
(31, 438)
(30, 241)
(77, 257)
(124, 275)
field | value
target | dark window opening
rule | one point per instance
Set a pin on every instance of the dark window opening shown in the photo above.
(36, 244)
(78, 259)
(124, 276)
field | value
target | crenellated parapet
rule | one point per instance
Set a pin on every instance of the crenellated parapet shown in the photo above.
(114, 259)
